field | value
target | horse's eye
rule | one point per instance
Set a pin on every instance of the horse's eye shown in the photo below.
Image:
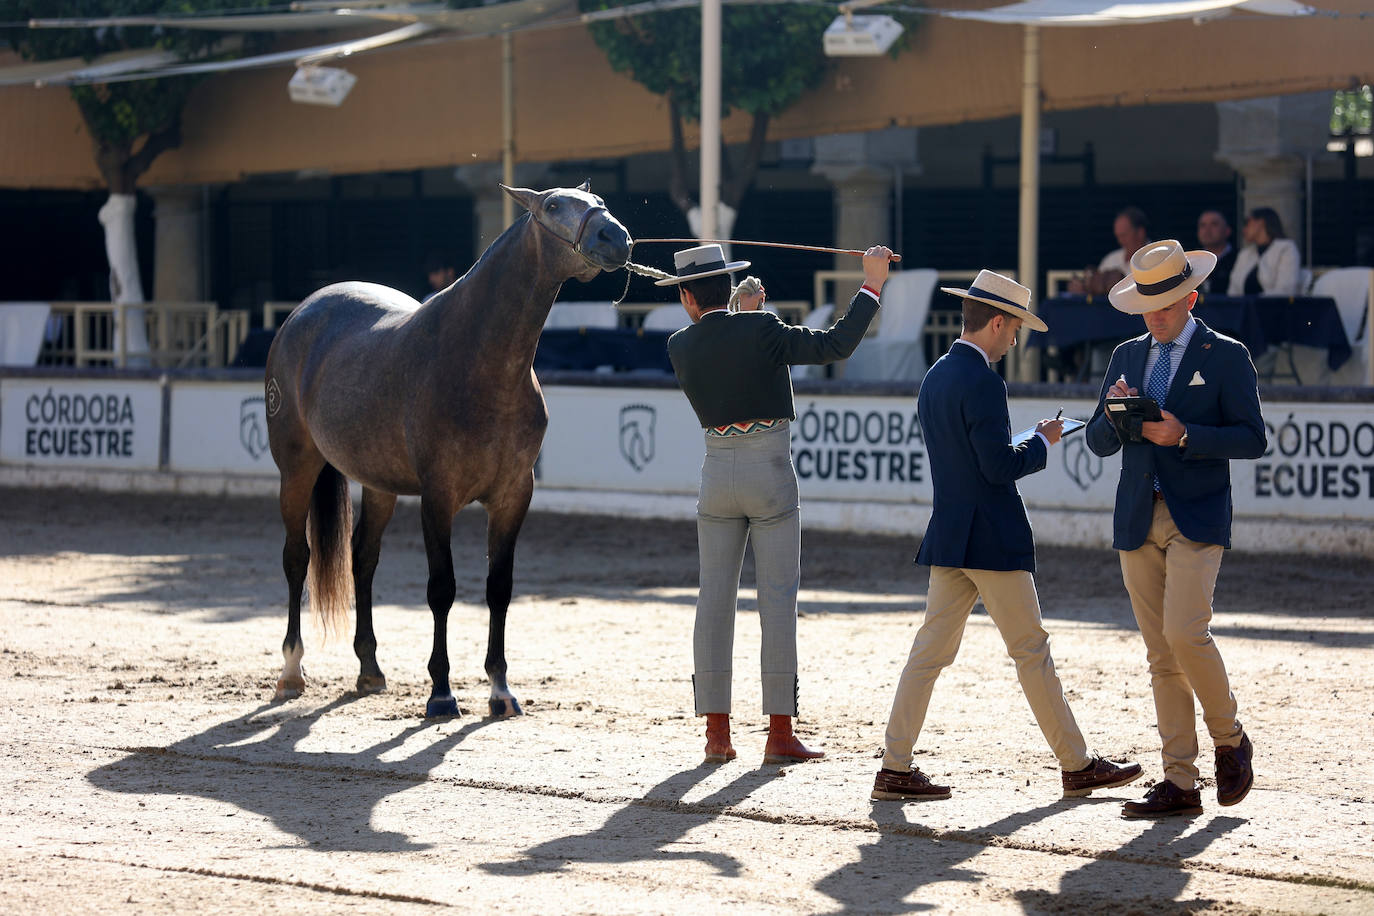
(553, 205)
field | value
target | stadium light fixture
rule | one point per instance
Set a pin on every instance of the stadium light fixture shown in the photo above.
(860, 36)
(314, 85)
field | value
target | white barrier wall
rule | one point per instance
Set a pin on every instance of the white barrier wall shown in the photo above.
(849, 451)
(1320, 461)
(219, 427)
(81, 423)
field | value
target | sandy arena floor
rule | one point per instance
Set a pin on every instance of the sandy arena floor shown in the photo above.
(146, 770)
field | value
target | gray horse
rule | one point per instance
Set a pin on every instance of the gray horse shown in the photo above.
(440, 401)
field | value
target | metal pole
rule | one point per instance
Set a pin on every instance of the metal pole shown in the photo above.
(507, 125)
(1028, 254)
(710, 116)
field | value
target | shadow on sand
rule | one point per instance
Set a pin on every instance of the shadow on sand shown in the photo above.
(253, 764)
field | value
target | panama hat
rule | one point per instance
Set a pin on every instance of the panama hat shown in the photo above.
(1003, 293)
(1161, 274)
(702, 261)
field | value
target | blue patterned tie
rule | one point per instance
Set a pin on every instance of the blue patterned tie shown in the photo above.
(1157, 385)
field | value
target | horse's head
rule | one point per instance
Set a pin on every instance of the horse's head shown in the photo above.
(580, 220)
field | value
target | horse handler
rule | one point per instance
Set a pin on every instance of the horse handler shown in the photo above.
(979, 544)
(733, 367)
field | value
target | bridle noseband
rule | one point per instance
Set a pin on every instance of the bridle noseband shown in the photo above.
(576, 242)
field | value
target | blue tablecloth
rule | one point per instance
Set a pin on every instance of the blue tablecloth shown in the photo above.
(1259, 322)
(622, 349)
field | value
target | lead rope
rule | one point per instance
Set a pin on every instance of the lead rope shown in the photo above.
(652, 273)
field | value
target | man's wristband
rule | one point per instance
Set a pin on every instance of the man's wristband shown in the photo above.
(870, 290)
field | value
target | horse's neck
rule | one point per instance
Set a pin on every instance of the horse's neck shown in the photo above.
(504, 300)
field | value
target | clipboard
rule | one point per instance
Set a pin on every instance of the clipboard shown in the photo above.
(1070, 426)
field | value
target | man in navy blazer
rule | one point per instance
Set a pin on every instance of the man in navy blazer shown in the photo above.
(1173, 510)
(979, 543)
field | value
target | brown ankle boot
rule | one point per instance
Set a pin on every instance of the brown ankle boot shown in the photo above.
(718, 747)
(783, 746)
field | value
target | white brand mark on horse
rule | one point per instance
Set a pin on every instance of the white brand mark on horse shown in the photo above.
(273, 397)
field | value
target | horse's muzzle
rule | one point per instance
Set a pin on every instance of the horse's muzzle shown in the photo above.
(606, 243)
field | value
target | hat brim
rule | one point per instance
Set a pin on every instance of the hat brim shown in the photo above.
(1125, 297)
(728, 268)
(1031, 320)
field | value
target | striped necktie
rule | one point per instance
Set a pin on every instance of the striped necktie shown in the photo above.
(1157, 385)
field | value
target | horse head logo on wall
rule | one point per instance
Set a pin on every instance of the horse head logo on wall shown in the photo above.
(637, 434)
(1082, 466)
(253, 427)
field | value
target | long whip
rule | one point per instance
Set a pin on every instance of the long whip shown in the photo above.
(849, 251)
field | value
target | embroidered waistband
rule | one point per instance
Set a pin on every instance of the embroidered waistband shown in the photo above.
(743, 427)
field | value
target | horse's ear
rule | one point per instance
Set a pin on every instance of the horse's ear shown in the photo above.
(523, 196)
(586, 185)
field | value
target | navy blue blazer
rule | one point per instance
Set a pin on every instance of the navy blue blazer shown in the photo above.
(1216, 396)
(978, 520)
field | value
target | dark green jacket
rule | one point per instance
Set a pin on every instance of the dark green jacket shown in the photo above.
(733, 367)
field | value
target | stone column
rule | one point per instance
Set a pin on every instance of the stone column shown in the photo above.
(1267, 141)
(177, 263)
(864, 168)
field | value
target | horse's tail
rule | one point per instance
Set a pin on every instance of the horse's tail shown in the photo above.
(331, 551)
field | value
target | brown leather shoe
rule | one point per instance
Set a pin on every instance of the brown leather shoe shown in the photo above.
(1164, 800)
(1100, 773)
(718, 747)
(913, 785)
(783, 746)
(1235, 776)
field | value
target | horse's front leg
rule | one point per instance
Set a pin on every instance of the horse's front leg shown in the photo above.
(367, 547)
(436, 518)
(504, 518)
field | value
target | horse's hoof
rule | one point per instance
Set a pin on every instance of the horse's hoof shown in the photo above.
(288, 688)
(371, 683)
(441, 706)
(505, 707)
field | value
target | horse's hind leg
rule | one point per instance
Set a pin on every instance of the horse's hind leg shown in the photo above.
(505, 515)
(436, 519)
(367, 546)
(295, 509)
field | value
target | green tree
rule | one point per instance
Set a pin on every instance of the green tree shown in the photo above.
(770, 56)
(130, 123)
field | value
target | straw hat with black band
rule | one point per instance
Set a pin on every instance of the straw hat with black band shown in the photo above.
(1001, 293)
(1161, 274)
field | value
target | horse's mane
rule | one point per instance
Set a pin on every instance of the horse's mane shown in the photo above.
(502, 241)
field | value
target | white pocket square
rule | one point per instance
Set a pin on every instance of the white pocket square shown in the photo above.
(1197, 379)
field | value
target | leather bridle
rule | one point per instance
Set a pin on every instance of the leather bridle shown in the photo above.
(575, 243)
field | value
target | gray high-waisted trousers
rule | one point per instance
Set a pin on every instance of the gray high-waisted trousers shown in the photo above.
(748, 492)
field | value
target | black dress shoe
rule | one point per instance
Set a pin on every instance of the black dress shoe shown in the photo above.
(1164, 800)
(1100, 773)
(1235, 776)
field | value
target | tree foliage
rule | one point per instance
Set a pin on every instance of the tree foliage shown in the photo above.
(130, 123)
(770, 56)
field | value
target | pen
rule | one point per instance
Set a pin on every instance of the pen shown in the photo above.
(1060, 414)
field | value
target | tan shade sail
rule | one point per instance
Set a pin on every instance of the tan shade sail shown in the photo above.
(439, 104)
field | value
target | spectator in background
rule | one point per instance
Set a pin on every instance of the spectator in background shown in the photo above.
(1132, 230)
(1269, 264)
(1214, 235)
(441, 272)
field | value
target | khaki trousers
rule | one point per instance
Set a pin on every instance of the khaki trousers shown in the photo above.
(1014, 607)
(1171, 580)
